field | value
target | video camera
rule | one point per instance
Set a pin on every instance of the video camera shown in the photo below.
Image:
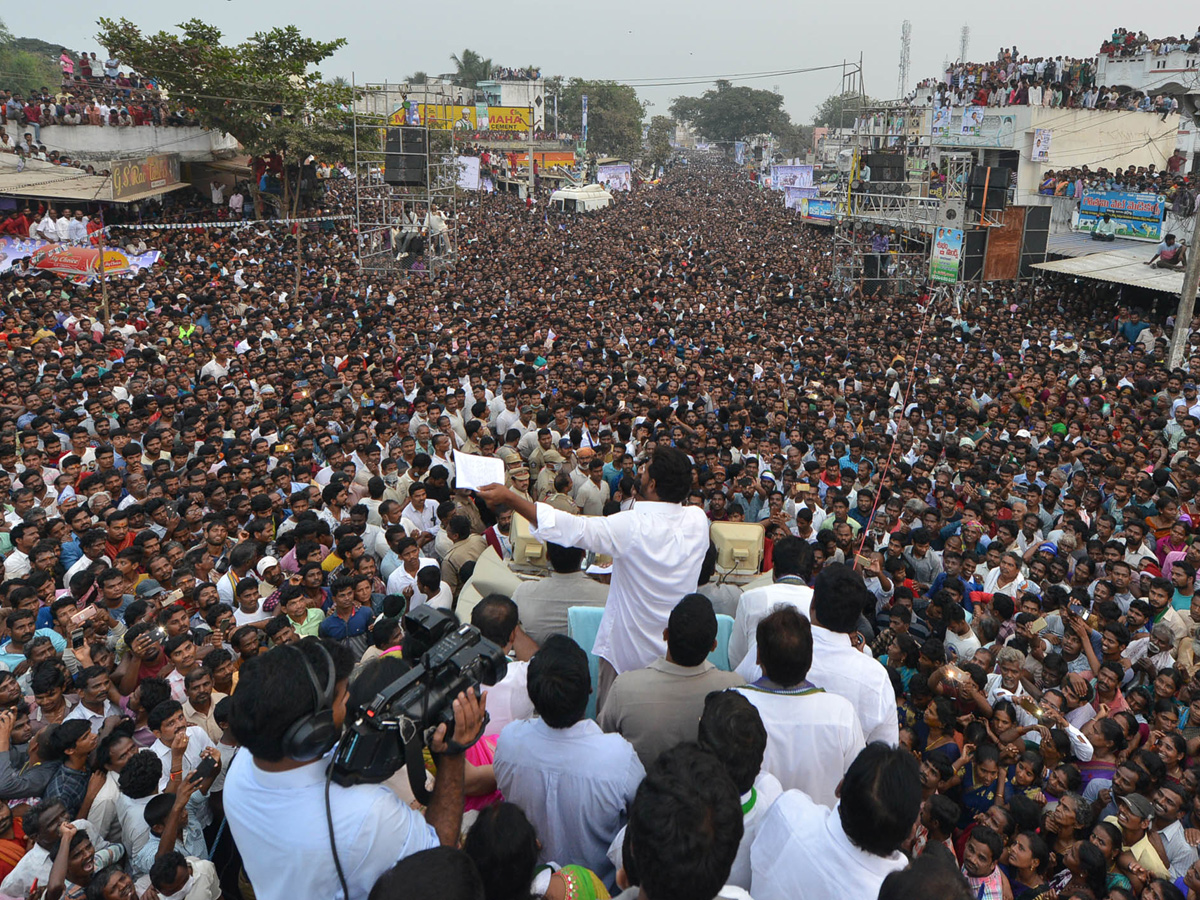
(393, 728)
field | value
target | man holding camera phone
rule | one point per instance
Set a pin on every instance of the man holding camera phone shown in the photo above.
(276, 796)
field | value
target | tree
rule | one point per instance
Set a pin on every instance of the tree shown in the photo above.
(28, 65)
(266, 91)
(839, 110)
(659, 139)
(614, 116)
(728, 113)
(470, 68)
(795, 140)
(417, 77)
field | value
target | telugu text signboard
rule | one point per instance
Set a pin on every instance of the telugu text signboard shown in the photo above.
(1136, 215)
(946, 258)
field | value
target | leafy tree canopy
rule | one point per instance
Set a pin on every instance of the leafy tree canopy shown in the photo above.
(614, 116)
(728, 113)
(265, 91)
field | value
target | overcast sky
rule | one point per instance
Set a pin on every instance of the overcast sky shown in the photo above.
(640, 40)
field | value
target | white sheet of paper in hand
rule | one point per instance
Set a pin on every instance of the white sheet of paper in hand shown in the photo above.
(472, 472)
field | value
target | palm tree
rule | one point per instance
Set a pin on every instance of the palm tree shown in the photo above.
(417, 77)
(471, 68)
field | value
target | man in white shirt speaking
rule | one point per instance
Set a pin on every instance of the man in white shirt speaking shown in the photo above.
(657, 548)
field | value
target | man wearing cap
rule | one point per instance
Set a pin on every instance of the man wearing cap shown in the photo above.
(551, 463)
(519, 476)
(1134, 815)
(270, 575)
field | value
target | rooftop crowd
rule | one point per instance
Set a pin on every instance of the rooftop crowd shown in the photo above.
(1015, 79)
(92, 92)
(969, 670)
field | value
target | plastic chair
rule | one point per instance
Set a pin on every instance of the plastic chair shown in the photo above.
(720, 656)
(583, 622)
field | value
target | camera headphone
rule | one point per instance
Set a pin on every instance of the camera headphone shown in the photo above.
(313, 734)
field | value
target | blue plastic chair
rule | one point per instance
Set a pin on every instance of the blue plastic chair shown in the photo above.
(583, 622)
(720, 656)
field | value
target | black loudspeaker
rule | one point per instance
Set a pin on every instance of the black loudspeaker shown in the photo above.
(1033, 239)
(996, 179)
(886, 166)
(406, 157)
(974, 251)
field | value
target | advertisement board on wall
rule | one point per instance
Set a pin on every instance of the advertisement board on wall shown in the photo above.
(1137, 215)
(946, 258)
(135, 176)
(445, 116)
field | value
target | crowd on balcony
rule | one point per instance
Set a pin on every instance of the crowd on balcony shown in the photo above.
(1181, 191)
(1125, 43)
(93, 93)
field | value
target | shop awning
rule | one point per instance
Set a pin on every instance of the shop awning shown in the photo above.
(1120, 267)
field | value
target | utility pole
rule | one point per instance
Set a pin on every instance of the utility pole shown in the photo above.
(1187, 305)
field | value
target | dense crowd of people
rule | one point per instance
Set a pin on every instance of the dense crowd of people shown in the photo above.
(1179, 189)
(1014, 79)
(967, 670)
(1124, 42)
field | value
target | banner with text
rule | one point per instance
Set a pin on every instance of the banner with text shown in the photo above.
(816, 210)
(14, 248)
(791, 177)
(1136, 215)
(475, 117)
(615, 177)
(132, 177)
(946, 258)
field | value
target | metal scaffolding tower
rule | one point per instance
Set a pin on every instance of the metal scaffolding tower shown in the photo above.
(404, 228)
(905, 47)
(913, 188)
(964, 43)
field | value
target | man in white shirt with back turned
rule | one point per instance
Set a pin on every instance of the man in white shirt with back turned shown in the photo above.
(839, 598)
(657, 548)
(812, 735)
(816, 852)
(793, 565)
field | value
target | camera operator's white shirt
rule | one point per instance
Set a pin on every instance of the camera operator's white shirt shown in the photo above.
(278, 821)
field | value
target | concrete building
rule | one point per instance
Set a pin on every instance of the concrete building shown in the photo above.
(104, 145)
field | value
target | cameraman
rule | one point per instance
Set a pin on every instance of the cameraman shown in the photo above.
(276, 804)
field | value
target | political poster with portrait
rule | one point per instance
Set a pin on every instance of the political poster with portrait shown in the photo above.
(783, 177)
(972, 120)
(615, 177)
(1041, 144)
(739, 153)
(946, 258)
(941, 120)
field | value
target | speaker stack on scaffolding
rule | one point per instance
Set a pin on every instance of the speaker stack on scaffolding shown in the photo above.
(405, 181)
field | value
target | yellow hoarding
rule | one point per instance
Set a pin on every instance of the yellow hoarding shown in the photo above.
(508, 118)
(467, 118)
